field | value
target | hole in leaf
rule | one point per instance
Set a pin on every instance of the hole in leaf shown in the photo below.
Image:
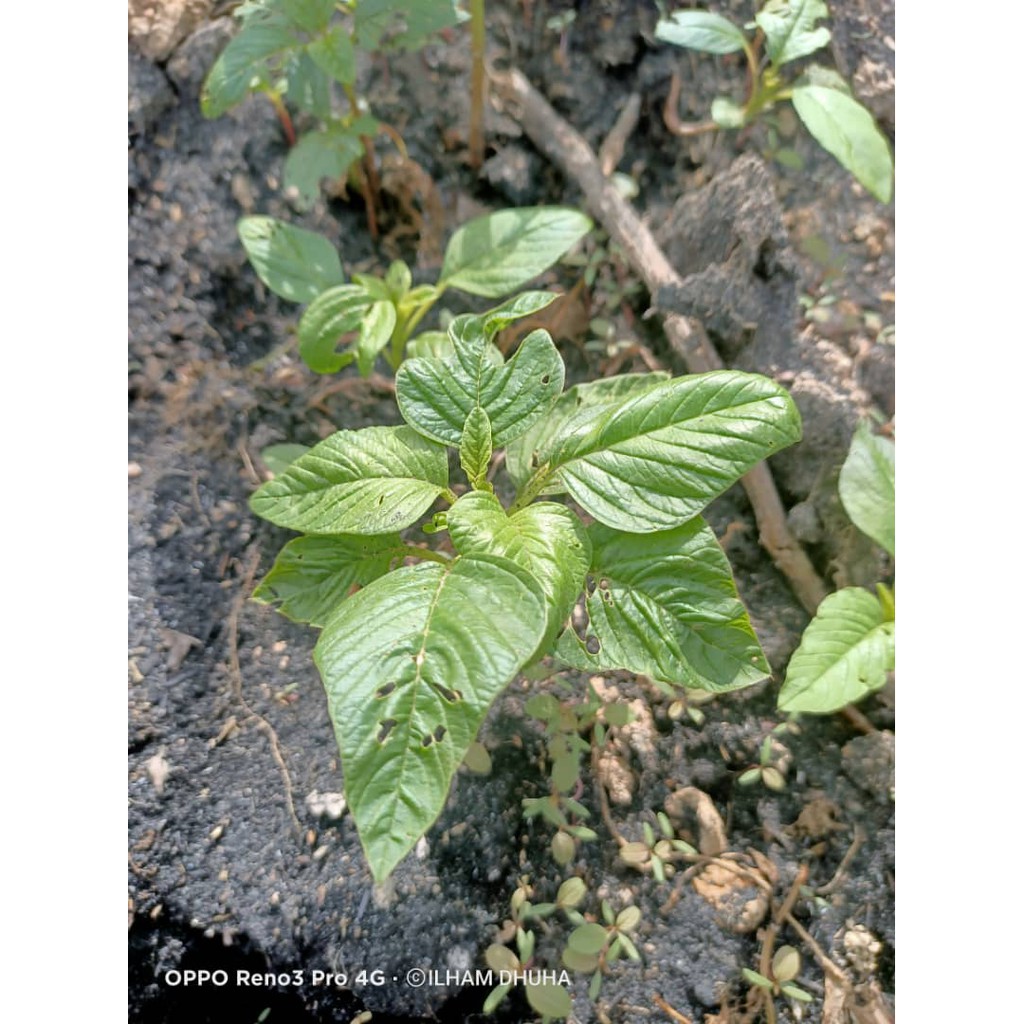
(386, 689)
(591, 585)
(427, 740)
(603, 584)
(546, 379)
(385, 728)
(449, 695)
(439, 733)
(593, 645)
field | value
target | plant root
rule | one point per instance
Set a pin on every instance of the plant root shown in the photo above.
(670, 115)
(565, 147)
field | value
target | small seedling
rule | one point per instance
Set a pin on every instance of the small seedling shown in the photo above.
(658, 851)
(789, 31)
(490, 256)
(849, 647)
(765, 770)
(785, 968)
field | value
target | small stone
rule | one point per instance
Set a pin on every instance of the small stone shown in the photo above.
(134, 470)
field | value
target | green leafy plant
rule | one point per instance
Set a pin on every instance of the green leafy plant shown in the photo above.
(850, 645)
(591, 947)
(304, 52)
(789, 31)
(785, 968)
(657, 851)
(358, 320)
(413, 660)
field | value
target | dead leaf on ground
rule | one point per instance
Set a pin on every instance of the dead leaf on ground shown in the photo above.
(568, 318)
(178, 646)
(740, 904)
(688, 804)
(817, 820)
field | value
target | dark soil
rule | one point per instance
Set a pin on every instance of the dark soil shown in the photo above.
(228, 736)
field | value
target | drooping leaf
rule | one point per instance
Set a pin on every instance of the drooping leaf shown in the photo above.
(518, 308)
(338, 311)
(326, 153)
(411, 664)
(867, 486)
(375, 332)
(436, 396)
(278, 457)
(313, 575)
(657, 460)
(370, 481)
(844, 654)
(665, 605)
(789, 28)
(246, 60)
(549, 999)
(476, 449)
(701, 30)
(546, 539)
(530, 450)
(498, 253)
(294, 263)
(848, 131)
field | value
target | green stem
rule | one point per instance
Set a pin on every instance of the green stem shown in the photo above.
(449, 495)
(403, 331)
(478, 34)
(282, 115)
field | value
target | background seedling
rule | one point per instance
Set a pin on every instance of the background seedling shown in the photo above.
(849, 647)
(789, 31)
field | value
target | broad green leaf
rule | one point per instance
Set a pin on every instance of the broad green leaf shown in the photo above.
(371, 481)
(701, 30)
(727, 114)
(374, 333)
(328, 153)
(658, 459)
(436, 396)
(338, 311)
(310, 15)
(294, 263)
(411, 664)
(278, 457)
(498, 253)
(313, 575)
(844, 654)
(549, 999)
(848, 131)
(528, 451)
(398, 280)
(665, 605)
(789, 31)
(245, 63)
(546, 539)
(335, 54)
(476, 449)
(867, 486)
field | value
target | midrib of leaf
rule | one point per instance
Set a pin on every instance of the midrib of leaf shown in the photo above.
(416, 682)
(800, 5)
